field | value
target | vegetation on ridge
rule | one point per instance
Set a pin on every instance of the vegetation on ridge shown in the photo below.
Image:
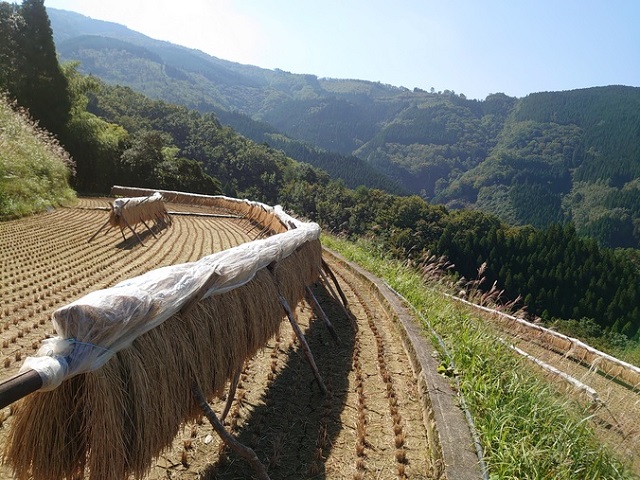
(528, 428)
(552, 272)
(116, 134)
(34, 169)
(119, 136)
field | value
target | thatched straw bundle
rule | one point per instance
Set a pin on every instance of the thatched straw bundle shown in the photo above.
(112, 422)
(129, 212)
(118, 377)
(266, 216)
(565, 345)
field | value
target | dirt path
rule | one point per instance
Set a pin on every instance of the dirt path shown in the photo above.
(370, 426)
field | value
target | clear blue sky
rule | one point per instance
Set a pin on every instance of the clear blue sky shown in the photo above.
(475, 47)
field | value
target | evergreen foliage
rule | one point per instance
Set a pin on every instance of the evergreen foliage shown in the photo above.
(553, 272)
(242, 167)
(30, 71)
(96, 145)
(58, 98)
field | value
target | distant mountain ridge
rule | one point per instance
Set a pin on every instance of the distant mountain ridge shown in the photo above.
(176, 74)
(548, 157)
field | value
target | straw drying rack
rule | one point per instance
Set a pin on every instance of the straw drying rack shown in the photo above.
(96, 410)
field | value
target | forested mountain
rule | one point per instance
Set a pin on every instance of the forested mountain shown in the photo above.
(573, 155)
(118, 135)
(546, 158)
(188, 77)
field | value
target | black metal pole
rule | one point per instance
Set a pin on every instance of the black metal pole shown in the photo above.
(19, 386)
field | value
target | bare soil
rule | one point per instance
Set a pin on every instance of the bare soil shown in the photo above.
(369, 426)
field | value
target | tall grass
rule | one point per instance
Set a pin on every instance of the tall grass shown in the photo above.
(527, 428)
(34, 168)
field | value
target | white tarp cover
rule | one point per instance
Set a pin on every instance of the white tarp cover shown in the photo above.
(93, 328)
(120, 203)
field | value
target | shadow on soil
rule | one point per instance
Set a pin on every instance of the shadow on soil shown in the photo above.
(294, 430)
(142, 237)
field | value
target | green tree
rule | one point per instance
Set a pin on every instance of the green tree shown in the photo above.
(96, 145)
(152, 161)
(42, 87)
(10, 25)
(142, 160)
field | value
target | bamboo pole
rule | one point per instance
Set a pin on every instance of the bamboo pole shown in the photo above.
(245, 452)
(315, 305)
(303, 341)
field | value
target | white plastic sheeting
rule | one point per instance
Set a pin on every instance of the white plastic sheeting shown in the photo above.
(93, 328)
(120, 204)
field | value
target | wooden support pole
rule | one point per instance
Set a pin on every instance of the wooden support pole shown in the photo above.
(99, 230)
(245, 452)
(326, 267)
(120, 216)
(255, 224)
(326, 282)
(261, 233)
(231, 396)
(315, 305)
(145, 224)
(303, 341)
(134, 232)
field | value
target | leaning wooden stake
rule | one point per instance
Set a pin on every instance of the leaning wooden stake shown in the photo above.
(231, 396)
(99, 230)
(145, 224)
(311, 298)
(245, 452)
(134, 232)
(303, 341)
(333, 293)
(326, 268)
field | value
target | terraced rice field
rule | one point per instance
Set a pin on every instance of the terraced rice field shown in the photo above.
(616, 414)
(370, 426)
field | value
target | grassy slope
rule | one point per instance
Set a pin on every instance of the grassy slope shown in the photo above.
(34, 169)
(527, 429)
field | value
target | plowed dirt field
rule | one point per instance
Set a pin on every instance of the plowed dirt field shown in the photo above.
(370, 426)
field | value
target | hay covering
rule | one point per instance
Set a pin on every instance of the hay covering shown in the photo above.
(113, 422)
(129, 212)
(567, 346)
(267, 216)
(110, 412)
